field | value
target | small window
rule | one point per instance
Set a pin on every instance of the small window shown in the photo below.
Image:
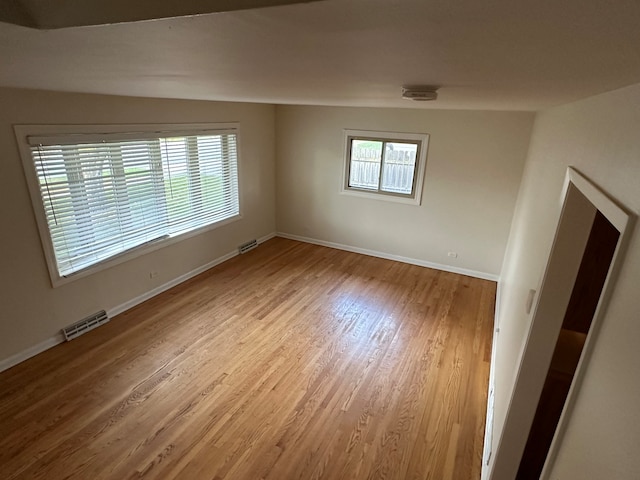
(385, 165)
(100, 196)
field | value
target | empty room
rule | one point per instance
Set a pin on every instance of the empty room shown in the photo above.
(322, 239)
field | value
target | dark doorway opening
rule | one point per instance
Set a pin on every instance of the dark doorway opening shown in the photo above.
(593, 271)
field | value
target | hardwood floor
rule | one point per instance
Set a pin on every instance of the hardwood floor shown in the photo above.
(292, 361)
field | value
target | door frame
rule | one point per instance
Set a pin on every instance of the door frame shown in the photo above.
(581, 199)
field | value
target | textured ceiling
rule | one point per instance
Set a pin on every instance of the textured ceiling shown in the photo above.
(504, 54)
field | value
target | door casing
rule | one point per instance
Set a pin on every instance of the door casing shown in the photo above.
(581, 200)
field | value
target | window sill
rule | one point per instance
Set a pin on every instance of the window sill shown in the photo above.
(381, 196)
(57, 281)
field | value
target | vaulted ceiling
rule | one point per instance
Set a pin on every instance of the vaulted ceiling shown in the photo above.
(492, 54)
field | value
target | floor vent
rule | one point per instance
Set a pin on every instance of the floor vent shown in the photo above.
(245, 247)
(83, 326)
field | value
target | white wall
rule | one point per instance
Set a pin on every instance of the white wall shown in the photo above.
(474, 167)
(600, 137)
(31, 310)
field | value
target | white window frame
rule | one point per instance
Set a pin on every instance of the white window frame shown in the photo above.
(135, 131)
(421, 139)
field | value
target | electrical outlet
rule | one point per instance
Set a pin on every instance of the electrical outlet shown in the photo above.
(153, 274)
(452, 254)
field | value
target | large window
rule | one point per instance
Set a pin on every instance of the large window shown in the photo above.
(102, 195)
(387, 165)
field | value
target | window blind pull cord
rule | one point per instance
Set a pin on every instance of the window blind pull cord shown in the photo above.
(46, 182)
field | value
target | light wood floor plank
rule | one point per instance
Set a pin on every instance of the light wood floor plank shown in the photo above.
(292, 361)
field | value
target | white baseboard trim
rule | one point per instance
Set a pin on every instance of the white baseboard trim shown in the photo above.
(19, 357)
(112, 312)
(388, 256)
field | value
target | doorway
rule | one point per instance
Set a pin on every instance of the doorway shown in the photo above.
(576, 325)
(572, 296)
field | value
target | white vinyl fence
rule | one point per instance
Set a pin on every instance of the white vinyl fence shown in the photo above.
(397, 175)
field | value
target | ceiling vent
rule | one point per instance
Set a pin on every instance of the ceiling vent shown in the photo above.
(420, 93)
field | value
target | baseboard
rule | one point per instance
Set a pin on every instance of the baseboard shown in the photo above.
(388, 256)
(19, 357)
(112, 312)
(267, 237)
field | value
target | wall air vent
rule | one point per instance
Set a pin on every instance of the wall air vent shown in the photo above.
(423, 93)
(245, 247)
(84, 325)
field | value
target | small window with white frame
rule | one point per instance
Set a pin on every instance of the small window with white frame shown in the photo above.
(103, 194)
(384, 165)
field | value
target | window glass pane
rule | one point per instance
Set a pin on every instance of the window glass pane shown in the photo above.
(213, 171)
(364, 171)
(399, 167)
(178, 188)
(218, 175)
(141, 201)
(95, 201)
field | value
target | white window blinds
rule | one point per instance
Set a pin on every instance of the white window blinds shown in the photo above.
(105, 195)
